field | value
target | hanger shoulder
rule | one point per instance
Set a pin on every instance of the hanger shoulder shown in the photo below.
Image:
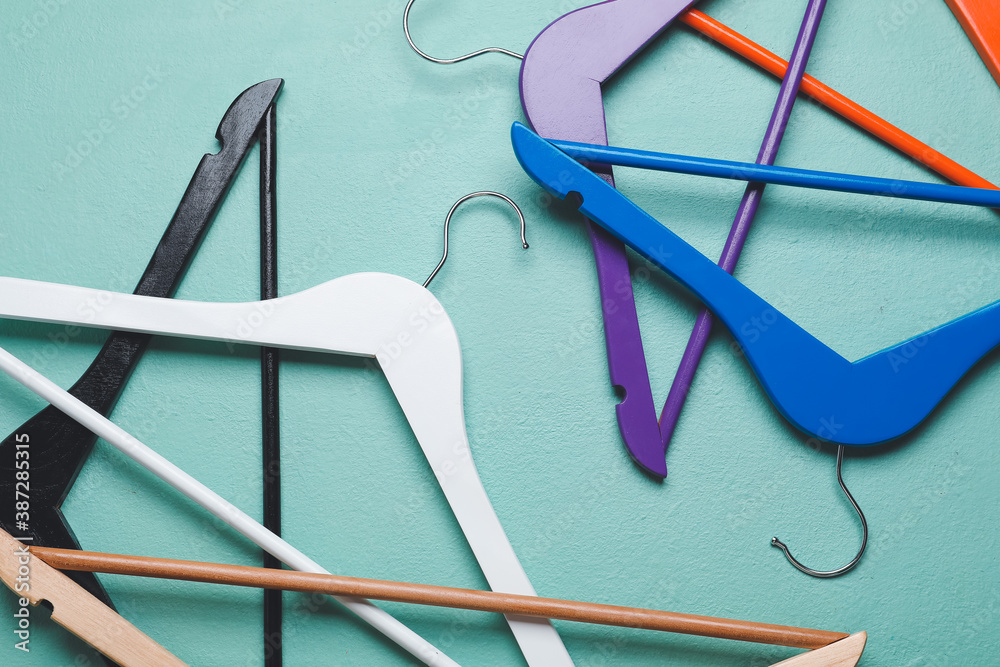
(77, 610)
(566, 64)
(354, 314)
(845, 653)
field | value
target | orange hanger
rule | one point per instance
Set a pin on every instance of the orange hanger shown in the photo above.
(981, 21)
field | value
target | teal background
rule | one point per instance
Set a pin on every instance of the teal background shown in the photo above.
(374, 146)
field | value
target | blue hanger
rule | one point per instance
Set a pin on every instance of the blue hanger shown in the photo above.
(861, 403)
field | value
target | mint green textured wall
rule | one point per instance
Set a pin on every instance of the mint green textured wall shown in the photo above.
(374, 146)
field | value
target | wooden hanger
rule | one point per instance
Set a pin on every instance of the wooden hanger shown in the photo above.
(382, 316)
(827, 649)
(75, 609)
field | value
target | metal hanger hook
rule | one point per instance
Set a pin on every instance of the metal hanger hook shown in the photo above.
(775, 542)
(449, 61)
(447, 222)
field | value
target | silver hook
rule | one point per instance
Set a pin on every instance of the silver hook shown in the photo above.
(775, 542)
(447, 221)
(449, 61)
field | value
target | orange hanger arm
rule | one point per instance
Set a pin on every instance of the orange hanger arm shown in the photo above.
(840, 104)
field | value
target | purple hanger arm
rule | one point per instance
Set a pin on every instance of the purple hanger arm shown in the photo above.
(744, 215)
(561, 78)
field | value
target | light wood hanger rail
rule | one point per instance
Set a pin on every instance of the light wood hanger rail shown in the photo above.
(828, 649)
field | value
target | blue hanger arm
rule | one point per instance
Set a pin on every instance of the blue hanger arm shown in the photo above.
(863, 403)
(762, 173)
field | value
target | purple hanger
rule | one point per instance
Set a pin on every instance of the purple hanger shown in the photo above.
(561, 78)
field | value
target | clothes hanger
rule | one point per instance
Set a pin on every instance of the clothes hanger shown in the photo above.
(981, 21)
(598, 40)
(863, 403)
(389, 318)
(800, 178)
(919, 381)
(64, 445)
(594, 40)
(570, 60)
(102, 628)
(74, 608)
(60, 445)
(825, 648)
(561, 79)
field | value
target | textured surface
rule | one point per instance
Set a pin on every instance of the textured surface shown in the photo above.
(376, 145)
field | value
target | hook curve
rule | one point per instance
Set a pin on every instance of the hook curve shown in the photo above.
(447, 221)
(829, 574)
(449, 61)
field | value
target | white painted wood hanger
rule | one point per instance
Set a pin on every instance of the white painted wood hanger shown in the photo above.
(396, 321)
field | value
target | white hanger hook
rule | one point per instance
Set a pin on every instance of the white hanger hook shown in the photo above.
(449, 61)
(447, 222)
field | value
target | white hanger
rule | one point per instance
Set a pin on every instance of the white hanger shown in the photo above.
(390, 318)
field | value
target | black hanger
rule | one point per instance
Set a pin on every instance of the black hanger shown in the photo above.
(58, 445)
